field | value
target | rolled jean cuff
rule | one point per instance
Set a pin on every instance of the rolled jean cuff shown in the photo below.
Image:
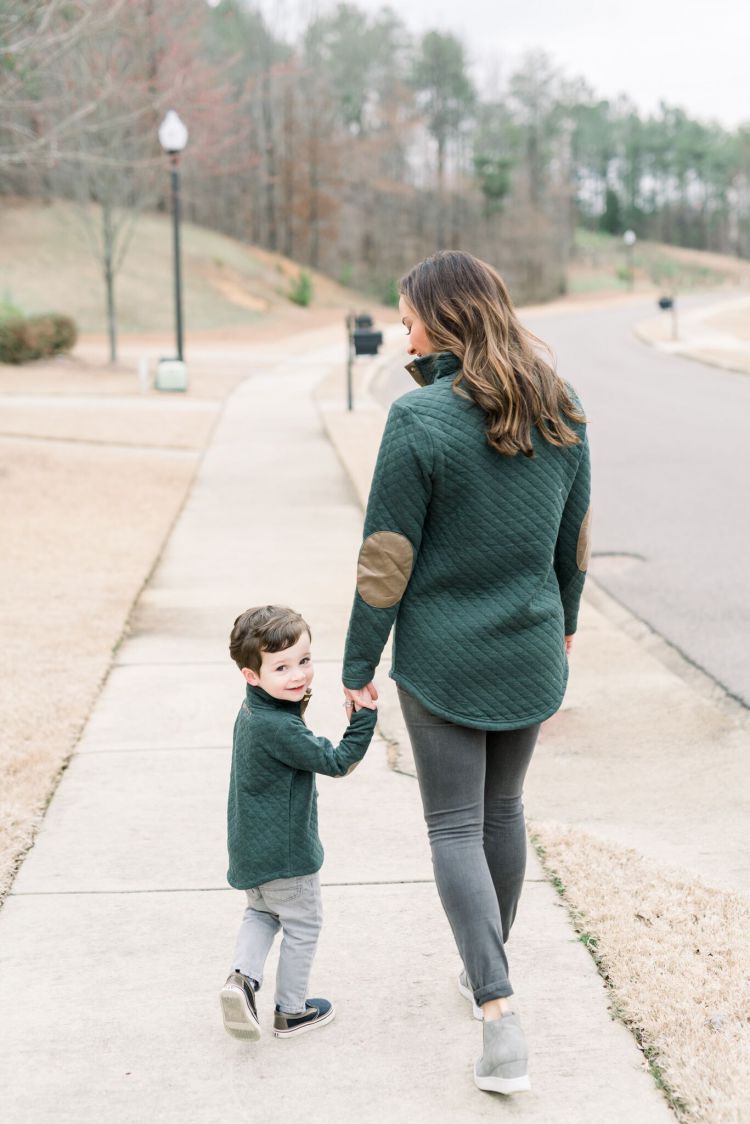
(492, 991)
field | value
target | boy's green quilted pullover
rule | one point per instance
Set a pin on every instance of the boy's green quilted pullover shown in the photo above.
(272, 814)
(480, 559)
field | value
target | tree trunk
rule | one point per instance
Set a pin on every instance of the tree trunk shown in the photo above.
(288, 177)
(270, 146)
(440, 225)
(109, 279)
(313, 208)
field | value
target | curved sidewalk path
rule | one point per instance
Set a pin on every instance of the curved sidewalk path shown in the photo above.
(120, 926)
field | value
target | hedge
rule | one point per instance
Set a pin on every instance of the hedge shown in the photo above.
(35, 337)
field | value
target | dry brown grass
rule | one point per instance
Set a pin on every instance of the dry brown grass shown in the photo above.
(45, 264)
(676, 955)
(81, 526)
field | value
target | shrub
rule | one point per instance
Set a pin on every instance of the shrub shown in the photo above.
(301, 290)
(66, 333)
(36, 337)
(13, 348)
(8, 310)
(391, 293)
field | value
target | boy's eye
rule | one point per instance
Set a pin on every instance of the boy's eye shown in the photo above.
(305, 659)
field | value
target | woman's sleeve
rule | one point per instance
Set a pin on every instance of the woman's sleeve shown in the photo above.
(396, 509)
(574, 541)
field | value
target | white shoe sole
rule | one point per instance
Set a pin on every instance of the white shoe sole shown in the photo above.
(504, 1085)
(238, 1020)
(476, 1011)
(303, 1029)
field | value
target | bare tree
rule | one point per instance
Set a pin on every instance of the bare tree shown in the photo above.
(35, 37)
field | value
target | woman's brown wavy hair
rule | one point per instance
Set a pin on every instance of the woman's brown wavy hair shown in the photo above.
(466, 308)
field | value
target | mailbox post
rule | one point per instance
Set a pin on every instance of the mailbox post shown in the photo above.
(362, 339)
(667, 303)
(349, 359)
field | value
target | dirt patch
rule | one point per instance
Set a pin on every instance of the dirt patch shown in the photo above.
(230, 283)
(735, 320)
(156, 423)
(81, 527)
(727, 358)
(675, 954)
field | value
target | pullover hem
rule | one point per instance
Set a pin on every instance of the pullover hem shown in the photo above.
(473, 722)
(285, 872)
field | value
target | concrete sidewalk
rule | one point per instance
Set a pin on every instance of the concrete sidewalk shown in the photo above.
(120, 927)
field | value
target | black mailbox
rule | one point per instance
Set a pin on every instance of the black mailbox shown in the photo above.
(665, 303)
(364, 320)
(366, 341)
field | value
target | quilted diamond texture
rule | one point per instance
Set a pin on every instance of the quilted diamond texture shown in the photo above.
(272, 813)
(479, 631)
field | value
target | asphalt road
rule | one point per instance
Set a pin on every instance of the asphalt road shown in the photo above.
(670, 441)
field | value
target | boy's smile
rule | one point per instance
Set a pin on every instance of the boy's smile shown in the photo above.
(286, 674)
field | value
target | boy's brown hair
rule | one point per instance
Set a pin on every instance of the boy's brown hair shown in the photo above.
(268, 628)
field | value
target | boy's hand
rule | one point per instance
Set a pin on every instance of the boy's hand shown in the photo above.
(352, 707)
(362, 697)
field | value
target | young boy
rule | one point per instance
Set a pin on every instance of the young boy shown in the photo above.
(275, 852)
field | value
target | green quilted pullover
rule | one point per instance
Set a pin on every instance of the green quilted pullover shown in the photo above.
(272, 814)
(478, 558)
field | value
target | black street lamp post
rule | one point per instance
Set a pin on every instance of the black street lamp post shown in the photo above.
(173, 136)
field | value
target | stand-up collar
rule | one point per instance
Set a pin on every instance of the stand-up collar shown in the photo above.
(426, 369)
(258, 699)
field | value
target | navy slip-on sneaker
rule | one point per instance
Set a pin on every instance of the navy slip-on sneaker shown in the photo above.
(317, 1012)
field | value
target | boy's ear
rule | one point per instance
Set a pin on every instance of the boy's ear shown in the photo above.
(251, 676)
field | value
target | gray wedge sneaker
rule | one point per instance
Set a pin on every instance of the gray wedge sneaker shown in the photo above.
(504, 1065)
(466, 990)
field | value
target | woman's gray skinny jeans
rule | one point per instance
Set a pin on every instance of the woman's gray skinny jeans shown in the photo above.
(471, 782)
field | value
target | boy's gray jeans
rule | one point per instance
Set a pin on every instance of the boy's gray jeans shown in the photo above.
(471, 783)
(293, 905)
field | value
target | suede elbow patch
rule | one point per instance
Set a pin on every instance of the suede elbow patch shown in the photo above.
(384, 568)
(583, 550)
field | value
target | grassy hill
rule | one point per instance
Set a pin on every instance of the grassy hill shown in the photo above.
(46, 265)
(599, 265)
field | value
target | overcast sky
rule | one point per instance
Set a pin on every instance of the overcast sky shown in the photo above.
(692, 53)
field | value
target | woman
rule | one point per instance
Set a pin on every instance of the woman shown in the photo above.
(476, 545)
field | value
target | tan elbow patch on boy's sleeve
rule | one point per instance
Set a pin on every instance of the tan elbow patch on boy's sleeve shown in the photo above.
(583, 550)
(384, 568)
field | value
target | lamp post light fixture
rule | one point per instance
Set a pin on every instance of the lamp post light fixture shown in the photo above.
(173, 137)
(630, 238)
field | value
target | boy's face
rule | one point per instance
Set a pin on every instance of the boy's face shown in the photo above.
(286, 674)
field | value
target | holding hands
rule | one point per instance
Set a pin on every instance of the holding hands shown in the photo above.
(362, 697)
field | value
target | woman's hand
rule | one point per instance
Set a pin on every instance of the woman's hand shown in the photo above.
(362, 697)
(568, 644)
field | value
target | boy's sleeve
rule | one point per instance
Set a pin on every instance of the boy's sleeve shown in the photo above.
(573, 545)
(299, 748)
(396, 510)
